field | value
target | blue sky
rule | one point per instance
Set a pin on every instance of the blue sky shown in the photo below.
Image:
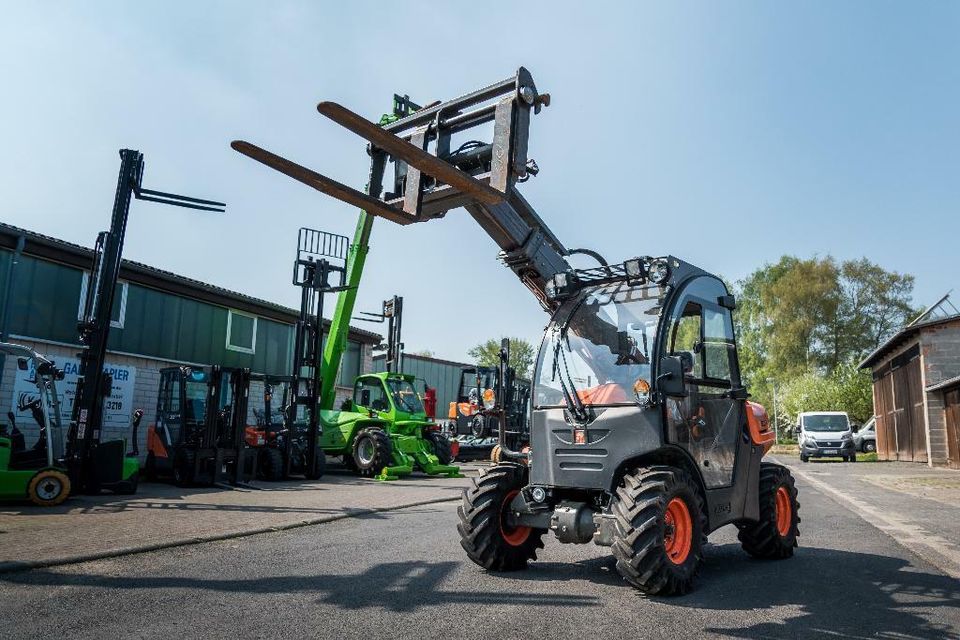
(725, 133)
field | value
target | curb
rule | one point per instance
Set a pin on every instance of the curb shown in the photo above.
(14, 567)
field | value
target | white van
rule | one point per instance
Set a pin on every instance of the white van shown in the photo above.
(825, 434)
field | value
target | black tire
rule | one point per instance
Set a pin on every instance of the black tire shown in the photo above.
(183, 468)
(869, 446)
(150, 467)
(372, 451)
(270, 464)
(321, 465)
(441, 447)
(129, 487)
(482, 533)
(804, 459)
(479, 426)
(766, 538)
(655, 552)
(48, 488)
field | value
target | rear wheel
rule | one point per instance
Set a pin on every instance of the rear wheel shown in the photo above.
(489, 540)
(48, 488)
(441, 447)
(372, 451)
(270, 464)
(775, 534)
(659, 530)
(869, 446)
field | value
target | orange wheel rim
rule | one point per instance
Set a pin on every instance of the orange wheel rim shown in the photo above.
(784, 511)
(514, 536)
(678, 532)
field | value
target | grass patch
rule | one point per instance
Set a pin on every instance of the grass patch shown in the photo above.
(868, 457)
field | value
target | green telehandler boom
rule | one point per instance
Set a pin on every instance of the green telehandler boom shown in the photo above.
(383, 441)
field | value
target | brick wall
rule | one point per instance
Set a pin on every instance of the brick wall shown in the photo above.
(940, 347)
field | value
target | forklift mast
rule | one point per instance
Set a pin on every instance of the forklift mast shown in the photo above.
(321, 257)
(392, 314)
(94, 385)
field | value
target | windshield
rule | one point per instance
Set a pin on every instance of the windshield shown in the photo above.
(603, 348)
(404, 396)
(825, 422)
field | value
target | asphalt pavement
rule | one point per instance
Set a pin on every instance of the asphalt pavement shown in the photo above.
(402, 574)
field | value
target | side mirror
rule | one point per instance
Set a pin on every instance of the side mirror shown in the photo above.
(365, 397)
(22, 364)
(670, 378)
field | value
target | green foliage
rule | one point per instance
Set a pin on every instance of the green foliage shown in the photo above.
(426, 353)
(522, 355)
(846, 389)
(802, 325)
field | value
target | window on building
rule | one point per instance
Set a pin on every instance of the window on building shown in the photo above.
(241, 332)
(350, 365)
(119, 310)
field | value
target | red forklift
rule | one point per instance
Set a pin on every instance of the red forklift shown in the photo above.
(199, 436)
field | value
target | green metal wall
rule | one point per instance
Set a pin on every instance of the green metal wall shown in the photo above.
(156, 324)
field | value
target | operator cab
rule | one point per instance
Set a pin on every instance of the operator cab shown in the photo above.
(392, 394)
(634, 368)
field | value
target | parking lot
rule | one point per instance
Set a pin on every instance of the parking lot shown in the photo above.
(400, 571)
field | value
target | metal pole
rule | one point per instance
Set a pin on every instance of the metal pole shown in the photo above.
(776, 422)
(8, 286)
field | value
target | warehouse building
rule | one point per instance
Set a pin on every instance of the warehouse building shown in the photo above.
(159, 319)
(916, 389)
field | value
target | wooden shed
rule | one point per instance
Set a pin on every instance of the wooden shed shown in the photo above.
(916, 389)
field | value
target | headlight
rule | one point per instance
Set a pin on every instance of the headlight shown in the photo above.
(659, 271)
(847, 436)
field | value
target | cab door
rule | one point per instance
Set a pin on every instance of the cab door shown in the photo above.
(707, 421)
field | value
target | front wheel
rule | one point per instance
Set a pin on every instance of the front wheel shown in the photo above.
(489, 540)
(659, 530)
(319, 466)
(270, 465)
(441, 447)
(372, 451)
(775, 534)
(48, 488)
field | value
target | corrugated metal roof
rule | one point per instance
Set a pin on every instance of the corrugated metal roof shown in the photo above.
(78, 256)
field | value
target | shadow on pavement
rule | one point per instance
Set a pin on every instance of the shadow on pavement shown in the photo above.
(837, 593)
(396, 586)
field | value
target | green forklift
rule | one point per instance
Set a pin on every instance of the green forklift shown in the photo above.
(38, 471)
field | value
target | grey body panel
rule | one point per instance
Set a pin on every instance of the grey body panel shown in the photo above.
(616, 435)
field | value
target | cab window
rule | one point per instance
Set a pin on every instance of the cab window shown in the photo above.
(718, 344)
(370, 394)
(685, 339)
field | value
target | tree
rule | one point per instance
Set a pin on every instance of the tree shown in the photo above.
(798, 317)
(522, 355)
(426, 353)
